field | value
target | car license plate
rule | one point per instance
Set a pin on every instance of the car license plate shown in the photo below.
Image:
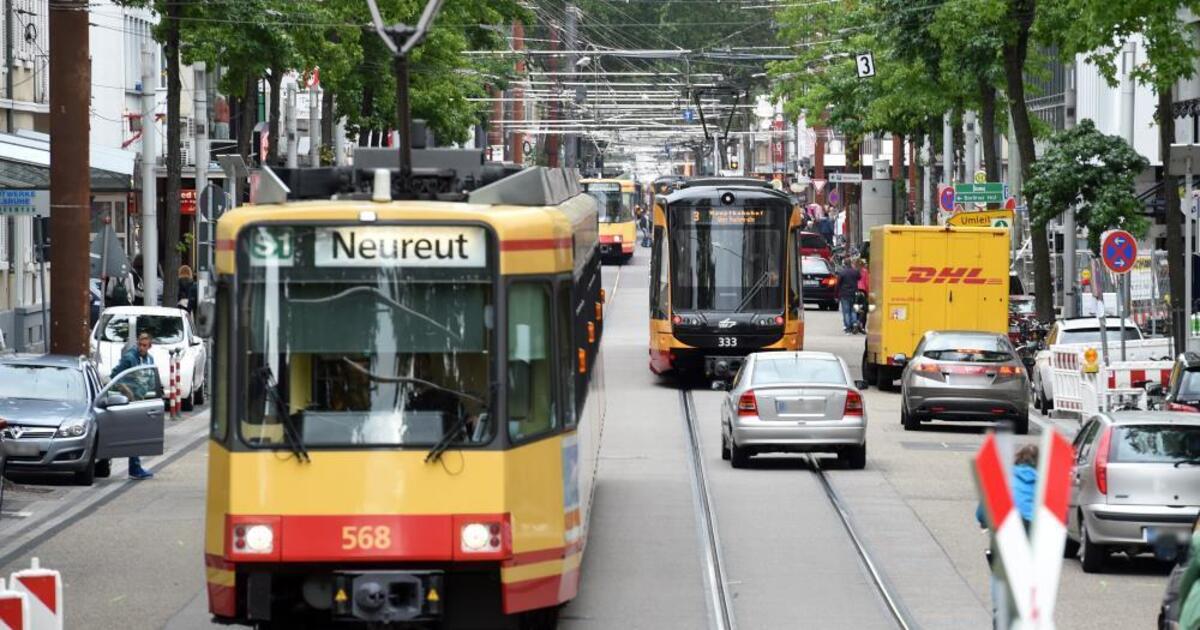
(800, 406)
(811, 283)
(13, 448)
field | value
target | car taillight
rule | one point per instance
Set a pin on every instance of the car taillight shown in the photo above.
(676, 320)
(1174, 406)
(829, 281)
(1008, 371)
(747, 404)
(929, 369)
(854, 404)
(1102, 460)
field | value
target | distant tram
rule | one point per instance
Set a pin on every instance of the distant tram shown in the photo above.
(724, 277)
(406, 412)
(616, 199)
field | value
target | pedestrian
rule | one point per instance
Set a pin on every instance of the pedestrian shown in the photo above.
(1024, 494)
(847, 278)
(187, 289)
(864, 289)
(134, 356)
(825, 227)
(1189, 592)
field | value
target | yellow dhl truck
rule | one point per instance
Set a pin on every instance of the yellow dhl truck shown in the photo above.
(931, 278)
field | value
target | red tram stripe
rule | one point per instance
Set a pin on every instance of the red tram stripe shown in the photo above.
(516, 245)
(225, 245)
(540, 592)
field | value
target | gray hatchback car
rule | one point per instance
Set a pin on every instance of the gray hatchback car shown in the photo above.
(964, 375)
(1136, 477)
(59, 419)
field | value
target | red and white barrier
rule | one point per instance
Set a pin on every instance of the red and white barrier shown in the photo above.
(43, 592)
(174, 387)
(1032, 563)
(14, 609)
(1079, 393)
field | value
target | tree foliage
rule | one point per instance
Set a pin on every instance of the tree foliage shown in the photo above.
(1092, 172)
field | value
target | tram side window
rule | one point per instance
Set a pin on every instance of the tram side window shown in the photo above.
(530, 384)
(566, 352)
(219, 387)
(658, 276)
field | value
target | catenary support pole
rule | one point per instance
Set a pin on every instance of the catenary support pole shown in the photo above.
(70, 179)
(314, 125)
(149, 210)
(947, 149)
(928, 217)
(969, 144)
(1070, 286)
(293, 156)
(339, 142)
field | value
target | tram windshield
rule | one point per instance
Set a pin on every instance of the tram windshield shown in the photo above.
(614, 206)
(727, 258)
(364, 336)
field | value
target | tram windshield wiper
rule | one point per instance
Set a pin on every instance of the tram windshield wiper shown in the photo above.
(443, 445)
(758, 285)
(291, 434)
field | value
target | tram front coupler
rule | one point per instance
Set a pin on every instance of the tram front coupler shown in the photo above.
(722, 368)
(388, 596)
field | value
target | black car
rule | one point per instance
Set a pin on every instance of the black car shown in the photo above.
(1182, 393)
(820, 282)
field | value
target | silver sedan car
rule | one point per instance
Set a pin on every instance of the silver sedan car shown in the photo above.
(794, 402)
(1136, 478)
(964, 375)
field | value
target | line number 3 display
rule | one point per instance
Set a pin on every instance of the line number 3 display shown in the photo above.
(866, 65)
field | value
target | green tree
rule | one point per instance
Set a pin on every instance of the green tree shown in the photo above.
(1093, 173)
(1099, 30)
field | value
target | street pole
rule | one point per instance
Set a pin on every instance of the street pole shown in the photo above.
(314, 125)
(1188, 233)
(201, 160)
(149, 185)
(970, 143)
(293, 157)
(928, 213)
(1128, 58)
(339, 142)
(947, 150)
(1068, 222)
(570, 42)
(70, 178)
(1014, 179)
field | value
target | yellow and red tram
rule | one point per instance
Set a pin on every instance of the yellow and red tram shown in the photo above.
(724, 277)
(406, 411)
(616, 199)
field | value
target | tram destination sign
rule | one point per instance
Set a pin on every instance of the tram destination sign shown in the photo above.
(988, 192)
(400, 246)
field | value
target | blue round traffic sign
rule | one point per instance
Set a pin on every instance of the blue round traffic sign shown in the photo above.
(946, 199)
(1118, 250)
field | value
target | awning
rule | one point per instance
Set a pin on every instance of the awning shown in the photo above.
(25, 163)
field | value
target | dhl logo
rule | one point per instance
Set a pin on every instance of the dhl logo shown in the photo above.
(945, 275)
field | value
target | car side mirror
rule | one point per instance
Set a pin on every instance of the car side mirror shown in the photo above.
(860, 384)
(205, 318)
(113, 399)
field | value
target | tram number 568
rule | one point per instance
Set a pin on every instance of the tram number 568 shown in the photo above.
(366, 537)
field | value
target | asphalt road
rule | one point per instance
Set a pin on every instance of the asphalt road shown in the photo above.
(130, 552)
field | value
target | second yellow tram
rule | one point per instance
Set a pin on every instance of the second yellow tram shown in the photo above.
(724, 278)
(616, 200)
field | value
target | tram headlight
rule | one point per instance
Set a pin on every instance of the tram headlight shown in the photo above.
(260, 539)
(475, 537)
(253, 536)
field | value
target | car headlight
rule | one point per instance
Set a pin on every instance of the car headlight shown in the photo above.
(71, 430)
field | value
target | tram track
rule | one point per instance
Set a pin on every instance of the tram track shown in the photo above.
(719, 596)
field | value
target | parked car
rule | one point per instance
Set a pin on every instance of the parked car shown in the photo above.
(171, 330)
(1182, 392)
(58, 418)
(794, 402)
(1136, 477)
(819, 282)
(1022, 315)
(964, 375)
(1075, 330)
(813, 244)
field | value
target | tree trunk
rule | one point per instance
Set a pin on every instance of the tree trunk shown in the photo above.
(987, 126)
(275, 83)
(1175, 251)
(853, 192)
(247, 116)
(1021, 12)
(916, 176)
(174, 160)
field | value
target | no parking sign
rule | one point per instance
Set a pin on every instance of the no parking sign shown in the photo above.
(1118, 250)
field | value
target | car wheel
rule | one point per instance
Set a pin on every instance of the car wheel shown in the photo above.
(855, 457)
(87, 476)
(910, 421)
(104, 468)
(887, 379)
(186, 402)
(870, 372)
(1091, 555)
(738, 457)
(724, 449)
(198, 396)
(1021, 425)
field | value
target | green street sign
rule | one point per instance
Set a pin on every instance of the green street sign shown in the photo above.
(990, 192)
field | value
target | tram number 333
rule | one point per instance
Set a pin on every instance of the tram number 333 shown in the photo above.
(366, 537)
(727, 342)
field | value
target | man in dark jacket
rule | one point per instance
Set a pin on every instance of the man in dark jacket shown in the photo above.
(824, 227)
(136, 355)
(847, 284)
